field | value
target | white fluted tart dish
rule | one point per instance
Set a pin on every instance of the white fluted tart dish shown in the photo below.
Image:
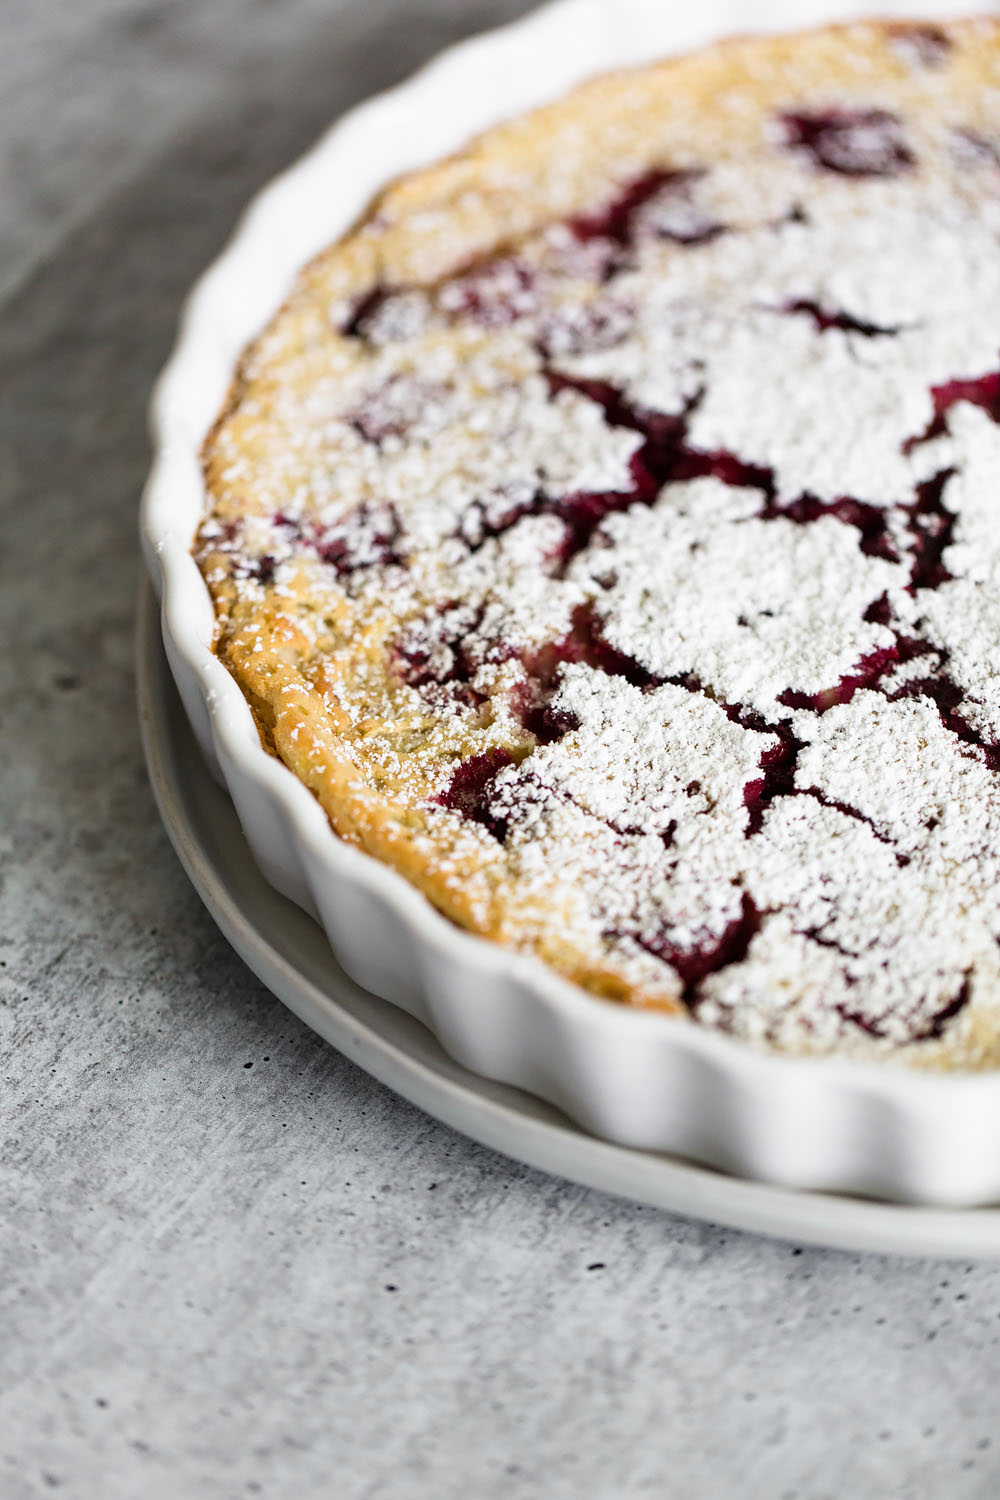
(581, 576)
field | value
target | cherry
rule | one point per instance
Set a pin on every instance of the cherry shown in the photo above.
(851, 142)
(694, 965)
(469, 791)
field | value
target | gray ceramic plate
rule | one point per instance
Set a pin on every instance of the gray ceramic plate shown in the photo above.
(289, 952)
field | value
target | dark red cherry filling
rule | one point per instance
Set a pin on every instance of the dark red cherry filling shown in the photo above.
(695, 965)
(615, 221)
(658, 205)
(851, 142)
(369, 540)
(581, 513)
(471, 788)
(879, 612)
(870, 520)
(930, 1031)
(825, 319)
(446, 650)
(367, 537)
(946, 695)
(662, 429)
(777, 763)
(848, 811)
(585, 642)
(933, 528)
(393, 409)
(584, 327)
(934, 1030)
(868, 673)
(980, 390)
(868, 1024)
(664, 457)
(541, 718)
(933, 524)
(494, 293)
(363, 312)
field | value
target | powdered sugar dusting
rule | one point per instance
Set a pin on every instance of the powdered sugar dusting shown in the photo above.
(675, 529)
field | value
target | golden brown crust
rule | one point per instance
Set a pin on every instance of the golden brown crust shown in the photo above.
(317, 666)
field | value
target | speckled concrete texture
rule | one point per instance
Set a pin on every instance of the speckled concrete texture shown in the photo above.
(230, 1264)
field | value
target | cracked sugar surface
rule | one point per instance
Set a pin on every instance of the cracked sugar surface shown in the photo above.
(631, 589)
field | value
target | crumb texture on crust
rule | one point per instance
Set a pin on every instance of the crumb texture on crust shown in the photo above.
(607, 533)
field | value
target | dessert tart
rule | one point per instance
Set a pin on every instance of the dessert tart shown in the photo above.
(605, 532)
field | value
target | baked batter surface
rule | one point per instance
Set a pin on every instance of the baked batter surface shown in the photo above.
(608, 533)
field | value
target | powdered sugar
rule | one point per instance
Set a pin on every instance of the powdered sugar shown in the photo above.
(687, 576)
(745, 605)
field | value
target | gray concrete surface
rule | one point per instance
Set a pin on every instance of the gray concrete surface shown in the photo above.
(220, 1280)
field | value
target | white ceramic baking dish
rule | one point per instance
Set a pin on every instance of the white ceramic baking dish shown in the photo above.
(641, 1079)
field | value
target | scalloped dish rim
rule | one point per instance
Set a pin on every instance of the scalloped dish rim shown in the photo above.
(874, 1127)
